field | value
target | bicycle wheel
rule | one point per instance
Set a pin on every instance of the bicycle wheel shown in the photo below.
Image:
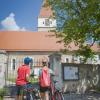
(58, 96)
(36, 95)
(33, 96)
(50, 95)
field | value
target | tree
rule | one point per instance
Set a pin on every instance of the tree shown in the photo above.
(78, 21)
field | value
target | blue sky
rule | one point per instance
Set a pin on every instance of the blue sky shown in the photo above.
(19, 14)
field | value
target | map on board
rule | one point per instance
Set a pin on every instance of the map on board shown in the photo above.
(71, 73)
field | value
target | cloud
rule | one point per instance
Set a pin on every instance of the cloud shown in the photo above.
(10, 24)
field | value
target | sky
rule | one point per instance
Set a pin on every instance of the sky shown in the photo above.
(19, 15)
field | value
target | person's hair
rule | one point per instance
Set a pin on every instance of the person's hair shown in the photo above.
(27, 60)
(44, 63)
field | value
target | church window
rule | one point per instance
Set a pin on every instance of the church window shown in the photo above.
(67, 60)
(13, 64)
(47, 22)
(50, 22)
(81, 60)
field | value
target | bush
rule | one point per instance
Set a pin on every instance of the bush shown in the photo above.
(3, 91)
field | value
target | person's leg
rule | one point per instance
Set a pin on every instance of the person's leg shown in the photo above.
(27, 96)
(46, 95)
(42, 95)
(42, 92)
(17, 90)
(19, 95)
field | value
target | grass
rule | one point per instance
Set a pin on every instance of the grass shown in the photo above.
(32, 80)
(3, 91)
(11, 79)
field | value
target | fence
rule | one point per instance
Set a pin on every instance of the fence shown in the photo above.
(10, 73)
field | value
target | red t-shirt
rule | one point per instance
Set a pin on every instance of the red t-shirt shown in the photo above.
(22, 72)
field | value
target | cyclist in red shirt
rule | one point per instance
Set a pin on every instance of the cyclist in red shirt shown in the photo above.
(23, 77)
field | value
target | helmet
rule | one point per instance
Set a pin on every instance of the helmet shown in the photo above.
(27, 60)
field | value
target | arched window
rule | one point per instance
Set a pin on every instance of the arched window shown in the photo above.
(67, 60)
(13, 64)
(47, 22)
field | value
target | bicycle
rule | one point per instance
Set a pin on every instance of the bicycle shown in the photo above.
(33, 92)
(55, 93)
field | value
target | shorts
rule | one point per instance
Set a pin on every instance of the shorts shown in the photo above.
(44, 89)
(19, 89)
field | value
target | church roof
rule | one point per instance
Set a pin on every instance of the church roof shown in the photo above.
(32, 41)
(46, 10)
(28, 41)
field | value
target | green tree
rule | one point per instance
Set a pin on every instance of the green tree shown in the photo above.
(78, 21)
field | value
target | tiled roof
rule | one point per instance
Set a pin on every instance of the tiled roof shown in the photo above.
(28, 41)
(46, 12)
(32, 41)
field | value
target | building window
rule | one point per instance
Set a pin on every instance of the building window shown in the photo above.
(66, 60)
(50, 22)
(74, 58)
(81, 60)
(13, 64)
(43, 22)
(47, 22)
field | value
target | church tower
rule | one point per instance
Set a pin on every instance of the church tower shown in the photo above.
(45, 20)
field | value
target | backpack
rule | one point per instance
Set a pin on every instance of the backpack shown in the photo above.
(45, 78)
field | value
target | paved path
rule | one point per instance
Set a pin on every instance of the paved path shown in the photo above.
(74, 97)
(8, 98)
(82, 97)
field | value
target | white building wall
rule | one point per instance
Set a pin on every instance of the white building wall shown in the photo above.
(19, 57)
(76, 59)
(71, 58)
(68, 56)
(40, 55)
(45, 29)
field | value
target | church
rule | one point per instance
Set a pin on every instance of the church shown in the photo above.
(38, 45)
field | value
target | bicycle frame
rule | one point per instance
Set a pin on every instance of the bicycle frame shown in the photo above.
(33, 92)
(52, 90)
(56, 94)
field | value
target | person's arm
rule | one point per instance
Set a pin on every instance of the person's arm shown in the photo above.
(27, 77)
(28, 74)
(51, 72)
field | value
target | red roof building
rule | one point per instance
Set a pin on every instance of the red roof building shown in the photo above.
(40, 41)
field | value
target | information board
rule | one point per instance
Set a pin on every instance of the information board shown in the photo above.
(70, 73)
